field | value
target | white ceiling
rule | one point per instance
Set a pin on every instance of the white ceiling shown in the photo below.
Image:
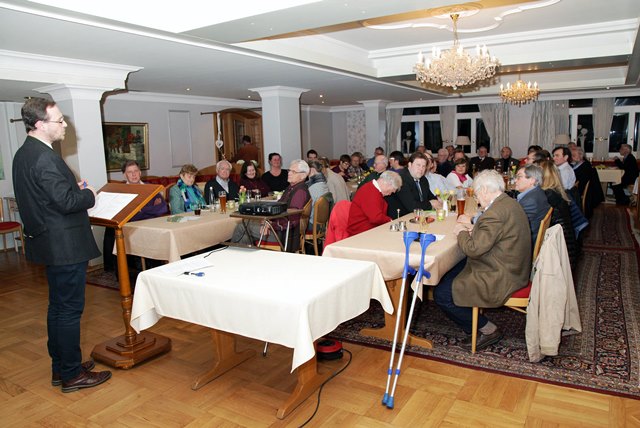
(325, 47)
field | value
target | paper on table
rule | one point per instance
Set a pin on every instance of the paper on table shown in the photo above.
(109, 204)
(186, 265)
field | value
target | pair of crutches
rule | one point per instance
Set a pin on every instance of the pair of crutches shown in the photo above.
(409, 238)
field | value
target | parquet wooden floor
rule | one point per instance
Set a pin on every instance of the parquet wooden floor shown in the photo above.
(157, 393)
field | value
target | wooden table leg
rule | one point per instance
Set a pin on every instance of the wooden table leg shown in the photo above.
(386, 332)
(225, 357)
(309, 380)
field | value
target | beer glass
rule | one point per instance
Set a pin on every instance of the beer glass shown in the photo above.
(222, 196)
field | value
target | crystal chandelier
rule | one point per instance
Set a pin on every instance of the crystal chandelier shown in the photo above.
(455, 67)
(519, 93)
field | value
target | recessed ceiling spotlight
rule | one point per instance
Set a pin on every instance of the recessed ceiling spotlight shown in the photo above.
(188, 89)
(321, 96)
(249, 96)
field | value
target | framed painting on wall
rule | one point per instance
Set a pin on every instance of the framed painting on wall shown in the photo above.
(125, 141)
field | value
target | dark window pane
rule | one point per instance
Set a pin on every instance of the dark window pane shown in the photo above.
(464, 128)
(414, 111)
(408, 131)
(468, 108)
(432, 136)
(628, 101)
(585, 102)
(636, 130)
(585, 132)
(482, 135)
(619, 131)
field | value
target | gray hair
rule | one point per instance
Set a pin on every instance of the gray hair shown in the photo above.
(488, 181)
(222, 162)
(385, 161)
(301, 166)
(443, 151)
(535, 172)
(392, 178)
(317, 165)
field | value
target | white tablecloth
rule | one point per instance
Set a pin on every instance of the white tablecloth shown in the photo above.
(283, 298)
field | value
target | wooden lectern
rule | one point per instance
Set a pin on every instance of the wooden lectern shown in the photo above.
(131, 348)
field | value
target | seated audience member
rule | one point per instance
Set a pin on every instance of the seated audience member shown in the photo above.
(342, 169)
(222, 183)
(156, 207)
(337, 185)
(250, 179)
(415, 192)
(459, 154)
(379, 166)
(377, 152)
(356, 167)
(506, 161)
(248, 152)
(459, 177)
(421, 149)
(585, 174)
(629, 165)
(396, 161)
(531, 197)
(498, 250)
(538, 156)
(185, 194)
(444, 166)
(312, 155)
(296, 196)
(436, 181)
(368, 208)
(529, 158)
(317, 185)
(561, 157)
(560, 201)
(276, 178)
(451, 150)
(482, 161)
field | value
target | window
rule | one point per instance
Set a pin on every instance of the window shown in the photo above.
(432, 138)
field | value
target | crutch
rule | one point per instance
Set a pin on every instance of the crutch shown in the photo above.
(408, 238)
(425, 240)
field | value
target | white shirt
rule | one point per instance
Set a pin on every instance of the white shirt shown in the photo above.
(567, 176)
(436, 181)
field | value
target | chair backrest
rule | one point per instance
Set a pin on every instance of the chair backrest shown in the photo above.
(544, 225)
(304, 223)
(584, 196)
(321, 211)
(338, 220)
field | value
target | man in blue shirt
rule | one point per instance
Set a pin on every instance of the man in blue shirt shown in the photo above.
(531, 197)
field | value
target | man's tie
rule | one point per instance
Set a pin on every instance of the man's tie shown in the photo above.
(419, 190)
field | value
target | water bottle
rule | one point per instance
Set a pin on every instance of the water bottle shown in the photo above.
(212, 199)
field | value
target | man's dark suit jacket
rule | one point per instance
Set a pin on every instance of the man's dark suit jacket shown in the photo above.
(213, 183)
(407, 198)
(630, 167)
(586, 173)
(535, 205)
(53, 208)
(506, 163)
(444, 168)
(486, 163)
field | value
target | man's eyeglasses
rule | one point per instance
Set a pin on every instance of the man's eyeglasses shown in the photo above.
(60, 121)
(293, 171)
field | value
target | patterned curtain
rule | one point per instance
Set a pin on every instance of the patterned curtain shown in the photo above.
(447, 123)
(392, 132)
(602, 118)
(543, 128)
(561, 117)
(496, 122)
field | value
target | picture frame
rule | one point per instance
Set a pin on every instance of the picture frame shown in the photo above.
(125, 141)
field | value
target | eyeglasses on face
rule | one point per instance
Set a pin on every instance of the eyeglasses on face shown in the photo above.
(293, 171)
(60, 121)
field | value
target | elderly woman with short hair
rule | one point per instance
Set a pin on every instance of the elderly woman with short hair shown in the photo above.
(498, 263)
(369, 208)
(185, 194)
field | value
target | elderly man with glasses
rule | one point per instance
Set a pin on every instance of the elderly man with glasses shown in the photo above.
(222, 183)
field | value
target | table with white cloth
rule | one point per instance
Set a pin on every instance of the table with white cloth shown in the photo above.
(160, 239)
(386, 248)
(284, 304)
(609, 175)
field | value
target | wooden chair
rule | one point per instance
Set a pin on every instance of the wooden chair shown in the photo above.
(11, 227)
(318, 224)
(302, 226)
(584, 197)
(520, 299)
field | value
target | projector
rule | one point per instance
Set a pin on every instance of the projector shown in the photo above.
(263, 208)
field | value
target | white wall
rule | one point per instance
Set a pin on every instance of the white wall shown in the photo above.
(317, 132)
(339, 133)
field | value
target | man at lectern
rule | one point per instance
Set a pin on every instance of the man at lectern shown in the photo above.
(53, 207)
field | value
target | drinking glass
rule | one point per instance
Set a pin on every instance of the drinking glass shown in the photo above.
(222, 196)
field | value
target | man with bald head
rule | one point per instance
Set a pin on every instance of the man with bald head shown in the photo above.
(444, 166)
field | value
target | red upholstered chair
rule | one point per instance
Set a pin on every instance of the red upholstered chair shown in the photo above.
(519, 300)
(337, 229)
(11, 227)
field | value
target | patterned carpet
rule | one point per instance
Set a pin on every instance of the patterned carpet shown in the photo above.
(604, 358)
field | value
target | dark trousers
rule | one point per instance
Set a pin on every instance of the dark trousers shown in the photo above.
(443, 296)
(66, 303)
(618, 192)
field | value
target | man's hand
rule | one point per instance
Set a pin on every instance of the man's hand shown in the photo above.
(463, 218)
(436, 204)
(459, 227)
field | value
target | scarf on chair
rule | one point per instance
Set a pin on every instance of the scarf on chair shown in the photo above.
(190, 195)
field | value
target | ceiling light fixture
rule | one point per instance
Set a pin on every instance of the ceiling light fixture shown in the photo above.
(519, 93)
(455, 67)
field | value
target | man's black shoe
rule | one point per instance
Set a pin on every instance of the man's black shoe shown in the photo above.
(86, 380)
(56, 380)
(483, 340)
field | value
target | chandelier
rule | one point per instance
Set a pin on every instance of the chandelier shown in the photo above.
(455, 67)
(519, 93)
